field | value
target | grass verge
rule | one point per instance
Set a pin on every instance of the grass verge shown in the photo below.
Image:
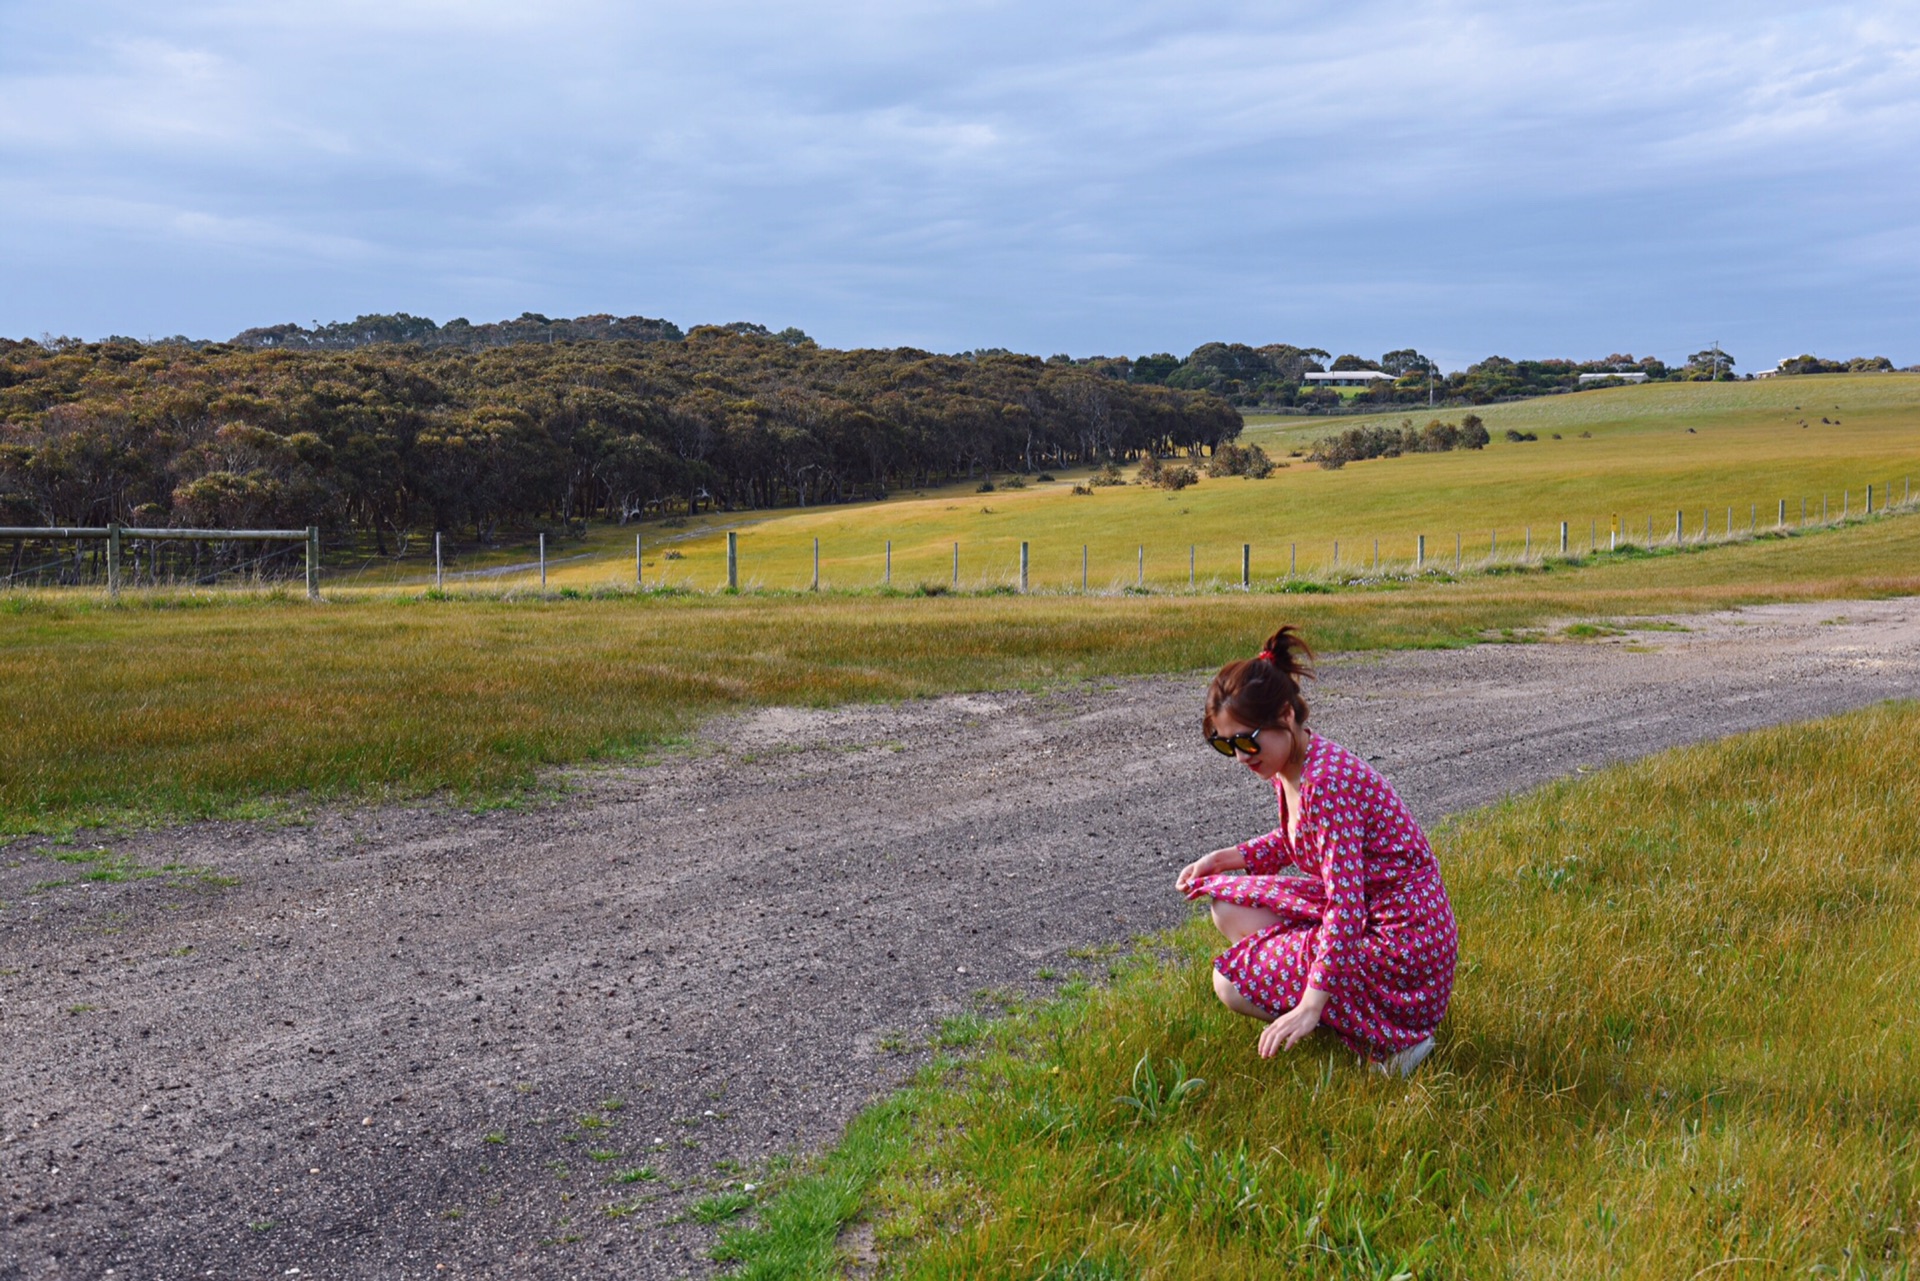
(168, 708)
(1681, 1046)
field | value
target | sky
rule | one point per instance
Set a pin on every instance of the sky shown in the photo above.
(1116, 178)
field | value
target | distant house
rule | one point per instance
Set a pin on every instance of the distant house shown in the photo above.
(1635, 377)
(1348, 378)
(1770, 373)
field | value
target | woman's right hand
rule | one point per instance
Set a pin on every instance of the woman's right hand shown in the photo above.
(1207, 865)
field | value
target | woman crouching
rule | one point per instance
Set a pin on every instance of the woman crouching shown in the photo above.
(1342, 919)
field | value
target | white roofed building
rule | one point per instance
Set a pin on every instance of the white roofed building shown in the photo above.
(1347, 378)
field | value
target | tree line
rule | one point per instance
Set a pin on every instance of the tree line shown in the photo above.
(384, 437)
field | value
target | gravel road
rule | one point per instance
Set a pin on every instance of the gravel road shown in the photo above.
(409, 1042)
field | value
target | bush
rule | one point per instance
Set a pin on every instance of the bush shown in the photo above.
(1155, 472)
(1517, 436)
(1107, 475)
(986, 487)
(1083, 489)
(1015, 482)
(1356, 443)
(1250, 461)
(1044, 477)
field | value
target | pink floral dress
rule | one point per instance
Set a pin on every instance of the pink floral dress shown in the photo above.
(1369, 922)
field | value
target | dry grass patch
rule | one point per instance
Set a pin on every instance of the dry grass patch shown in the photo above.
(186, 706)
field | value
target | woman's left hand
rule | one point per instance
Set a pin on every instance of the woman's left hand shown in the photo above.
(1287, 1031)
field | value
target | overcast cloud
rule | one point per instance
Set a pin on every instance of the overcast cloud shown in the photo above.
(1122, 178)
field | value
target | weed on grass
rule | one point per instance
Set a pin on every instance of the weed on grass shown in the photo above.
(1643, 1073)
(720, 1207)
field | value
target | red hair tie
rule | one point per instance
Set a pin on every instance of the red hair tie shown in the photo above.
(1267, 655)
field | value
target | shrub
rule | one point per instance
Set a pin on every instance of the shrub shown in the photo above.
(1044, 477)
(1156, 472)
(986, 487)
(1517, 436)
(1333, 452)
(1014, 482)
(1240, 460)
(1083, 489)
(1107, 475)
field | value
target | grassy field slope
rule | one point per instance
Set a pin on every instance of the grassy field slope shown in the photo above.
(1720, 452)
(1680, 1046)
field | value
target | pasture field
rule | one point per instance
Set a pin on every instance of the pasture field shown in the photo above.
(1681, 1046)
(1726, 452)
(175, 706)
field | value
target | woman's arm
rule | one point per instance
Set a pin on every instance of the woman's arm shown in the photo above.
(1287, 1030)
(1227, 860)
(1262, 855)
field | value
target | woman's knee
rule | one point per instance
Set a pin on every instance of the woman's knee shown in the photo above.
(1236, 920)
(1231, 997)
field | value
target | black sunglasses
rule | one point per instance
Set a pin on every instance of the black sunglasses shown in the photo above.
(1229, 744)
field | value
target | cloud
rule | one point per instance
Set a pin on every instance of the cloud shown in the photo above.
(1071, 176)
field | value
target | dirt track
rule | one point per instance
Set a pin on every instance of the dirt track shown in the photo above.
(301, 1069)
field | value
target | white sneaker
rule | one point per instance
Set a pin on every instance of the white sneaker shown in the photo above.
(1403, 1063)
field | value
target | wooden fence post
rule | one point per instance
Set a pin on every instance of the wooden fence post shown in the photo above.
(1023, 568)
(956, 567)
(543, 562)
(1140, 575)
(1246, 566)
(1563, 538)
(1083, 569)
(439, 565)
(1420, 553)
(639, 564)
(888, 579)
(816, 566)
(313, 562)
(1192, 558)
(733, 561)
(1679, 527)
(113, 561)
(1293, 559)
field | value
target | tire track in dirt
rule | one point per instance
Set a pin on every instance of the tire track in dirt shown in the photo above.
(393, 1045)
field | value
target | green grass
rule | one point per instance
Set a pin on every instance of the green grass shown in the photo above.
(171, 707)
(1681, 1045)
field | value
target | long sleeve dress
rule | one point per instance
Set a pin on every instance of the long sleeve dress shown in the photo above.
(1368, 922)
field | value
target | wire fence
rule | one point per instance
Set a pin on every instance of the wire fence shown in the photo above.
(1009, 564)
(130, 558)
(115, 557)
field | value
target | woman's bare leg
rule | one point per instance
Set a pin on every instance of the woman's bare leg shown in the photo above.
(1230, 997)
(1237, 921)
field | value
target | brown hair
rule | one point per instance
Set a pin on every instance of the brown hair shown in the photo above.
(1255, 690)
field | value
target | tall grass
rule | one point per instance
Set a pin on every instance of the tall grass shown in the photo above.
(1681, 1045)
(185, 706)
